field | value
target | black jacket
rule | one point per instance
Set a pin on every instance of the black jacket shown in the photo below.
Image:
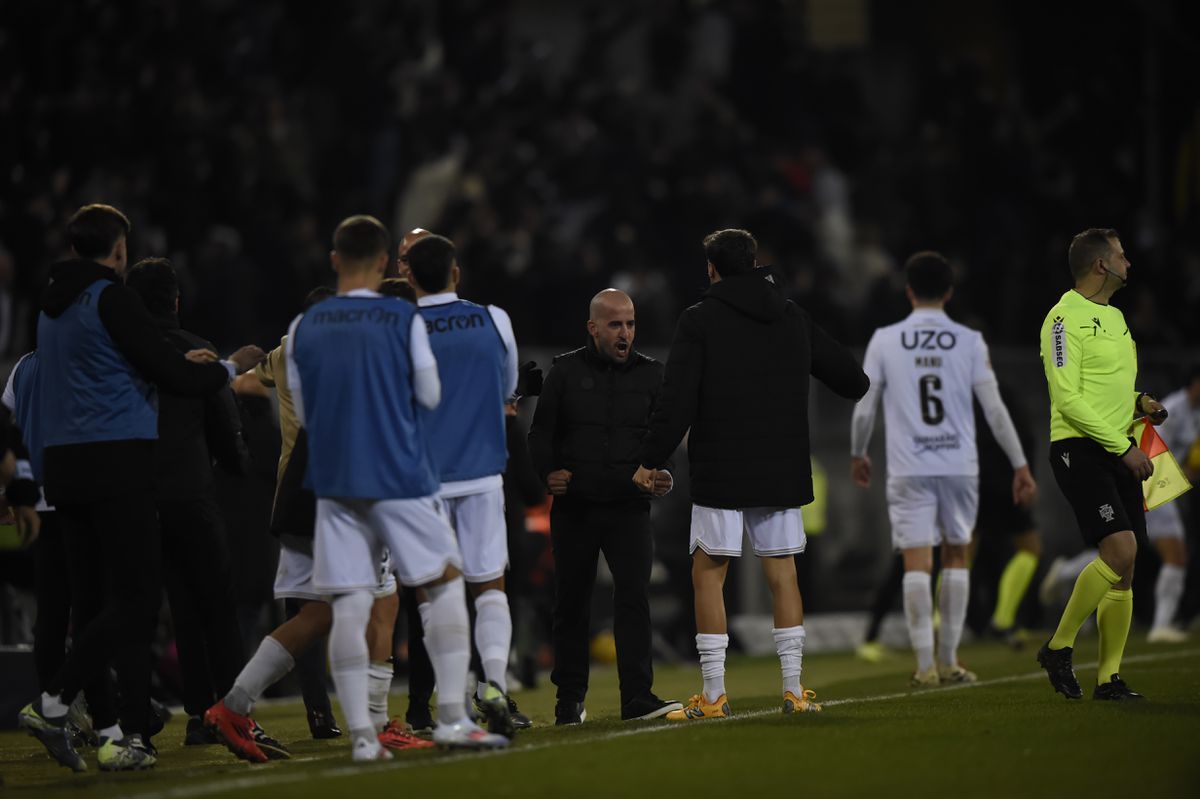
(591, 418)
(95, 471)
(193, 431)
(738, 377)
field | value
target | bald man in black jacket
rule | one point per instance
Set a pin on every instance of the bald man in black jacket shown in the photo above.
(738, 378)
(584, 440)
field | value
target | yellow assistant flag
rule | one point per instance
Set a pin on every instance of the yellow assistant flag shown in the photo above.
(1168, 481)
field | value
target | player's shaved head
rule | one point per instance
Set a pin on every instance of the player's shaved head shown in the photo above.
(608, 302)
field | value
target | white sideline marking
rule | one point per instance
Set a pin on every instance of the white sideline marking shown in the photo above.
(282, 777)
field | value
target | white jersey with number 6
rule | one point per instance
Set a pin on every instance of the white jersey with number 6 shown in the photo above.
(927, 368)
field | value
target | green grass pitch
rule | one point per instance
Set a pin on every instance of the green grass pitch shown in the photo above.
(1007, 736)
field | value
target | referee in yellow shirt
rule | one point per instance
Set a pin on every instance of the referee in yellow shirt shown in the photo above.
(1091, 366)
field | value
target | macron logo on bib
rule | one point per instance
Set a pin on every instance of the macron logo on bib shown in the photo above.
(1058, 336)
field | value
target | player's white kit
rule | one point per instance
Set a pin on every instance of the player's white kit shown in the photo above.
(927, 368)
(1178, 432)
(772, 531)
(294, 576)
(475, 372)
(354, 533)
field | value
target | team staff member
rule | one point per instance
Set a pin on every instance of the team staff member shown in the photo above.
(100, 352)
(1090, 362)
(738, 377)
(192, 432)
(584, 441)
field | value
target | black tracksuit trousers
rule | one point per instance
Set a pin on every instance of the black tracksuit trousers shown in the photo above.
(579, 531)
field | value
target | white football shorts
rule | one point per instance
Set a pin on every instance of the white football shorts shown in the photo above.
(927, 511)
(478, 522)
(1164, 522)
(772, 531)
(294, 576)
(353, 534)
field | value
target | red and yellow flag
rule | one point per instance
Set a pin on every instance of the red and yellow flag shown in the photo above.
(1168, 481)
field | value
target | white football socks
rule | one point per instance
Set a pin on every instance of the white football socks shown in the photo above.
(349, 661)
(918, 613)
(379, 685)
(493, 636)
(271, 661)
(52, 706)
(952, 601)
(1168, 590)
(448, 640)
(113, 733)
(712, 663)
(789, 643)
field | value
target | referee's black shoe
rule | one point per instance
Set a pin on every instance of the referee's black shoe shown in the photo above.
(1115, 690)
(1057, 663)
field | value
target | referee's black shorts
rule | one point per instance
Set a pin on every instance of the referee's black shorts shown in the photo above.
(1104, 494)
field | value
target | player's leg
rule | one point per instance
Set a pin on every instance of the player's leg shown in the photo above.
(380, 672)
(870, 649)
(777, 536)
(1164, 527)
(958, 505)
(1015, 579)
(912, 511)
(347, 556)
(311, 671)
(425, 554)
(917, 587)
(420, 670)
(478, 521)
(716, 536)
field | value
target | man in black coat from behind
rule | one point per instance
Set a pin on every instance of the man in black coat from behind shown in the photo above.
(584, 441)
(738, 378)
(193, 432)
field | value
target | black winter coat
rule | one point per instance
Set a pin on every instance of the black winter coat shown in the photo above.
(195, 431)
(738, 377)
(591, 418)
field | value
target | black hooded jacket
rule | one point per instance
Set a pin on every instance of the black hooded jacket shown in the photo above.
(102, 469)
(738, 377)
(193, 432)
(590, 419)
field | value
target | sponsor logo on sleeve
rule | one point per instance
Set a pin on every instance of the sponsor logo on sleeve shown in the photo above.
(1058, 337)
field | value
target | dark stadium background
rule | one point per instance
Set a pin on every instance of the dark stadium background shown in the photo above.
(566, 147)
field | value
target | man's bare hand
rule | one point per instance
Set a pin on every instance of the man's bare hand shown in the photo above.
(29, 524)
(643, 478)
(860, 471)
(558, 481)
(1024, 488)
(1137, 462)
(201, 356)
(663, 482)
(8, 466)
(247, 358)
